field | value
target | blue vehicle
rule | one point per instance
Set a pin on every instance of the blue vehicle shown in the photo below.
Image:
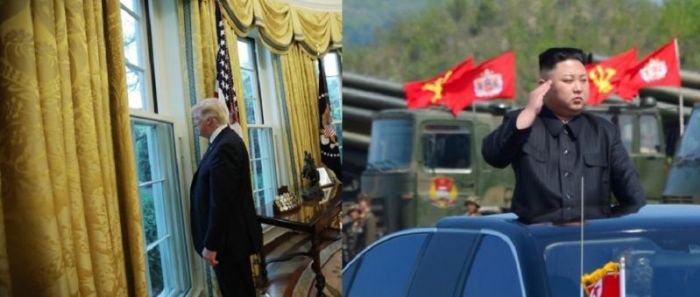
(499, 256)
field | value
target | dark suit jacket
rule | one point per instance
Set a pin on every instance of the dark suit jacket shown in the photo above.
(548, 167)
(223, 217)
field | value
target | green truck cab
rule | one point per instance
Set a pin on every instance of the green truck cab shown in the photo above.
(424, 164)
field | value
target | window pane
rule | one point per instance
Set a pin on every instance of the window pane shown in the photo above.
(624, 123)
(650, 142)
(148, 211)
(330, 64)
(135, 88)
(391, 144)
(258, 175)
(155, 271)
(131, 4)
(445, 150)
(132, 42)
(245, 51)
(255, 141)
(251, 100)
(143, 165)
(494, 264)
(334, 93)
(386, 269)
(690, 143)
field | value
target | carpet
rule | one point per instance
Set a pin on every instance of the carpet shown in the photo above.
(331, 266)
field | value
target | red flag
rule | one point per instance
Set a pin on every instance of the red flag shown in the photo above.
(660, 68)
(607, 286)
(494, 78)
(429, 92)
(605, 77)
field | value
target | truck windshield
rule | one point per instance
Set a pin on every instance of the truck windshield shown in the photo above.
(690, 144)
(625, 123)
(446, 147)
(391, 144)
(659, 263)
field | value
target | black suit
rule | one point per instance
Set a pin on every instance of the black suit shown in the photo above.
(223, 214)
(549, 160)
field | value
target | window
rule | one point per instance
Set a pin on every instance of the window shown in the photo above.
(690, 146)
(135, 26)
(625, 123)
(387, 268)
(332, 66)
(446, 148)
(441, 268)
(494, 271)
(650, 140)
(166, 250)
(261, 146)
(391, 146)
(161, 210)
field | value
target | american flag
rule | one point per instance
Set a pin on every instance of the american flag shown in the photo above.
(224, 78)
(329, 132)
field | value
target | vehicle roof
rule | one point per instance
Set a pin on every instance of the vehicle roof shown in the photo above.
(436, 113)
(650, 217)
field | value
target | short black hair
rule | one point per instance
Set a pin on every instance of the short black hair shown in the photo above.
(554, 55)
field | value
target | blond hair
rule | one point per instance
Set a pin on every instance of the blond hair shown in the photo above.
(211, 108)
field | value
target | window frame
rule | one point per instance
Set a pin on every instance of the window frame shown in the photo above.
(181, 283)
(265, 116)
(145, 45)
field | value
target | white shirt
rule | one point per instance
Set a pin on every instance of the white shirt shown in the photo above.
(216, 133)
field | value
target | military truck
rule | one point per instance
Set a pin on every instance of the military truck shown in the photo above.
(683, 183)
(423, 165)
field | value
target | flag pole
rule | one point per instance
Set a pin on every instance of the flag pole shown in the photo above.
(583, 196)
(681, 118)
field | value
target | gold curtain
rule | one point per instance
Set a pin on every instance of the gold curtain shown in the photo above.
(203, 42)
(301, 90)
(69, 201)
(282, 25)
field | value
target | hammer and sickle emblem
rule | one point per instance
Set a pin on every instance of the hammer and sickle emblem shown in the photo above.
(436, 86)
(601, 78)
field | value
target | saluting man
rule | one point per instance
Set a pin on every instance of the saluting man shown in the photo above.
(554, 147)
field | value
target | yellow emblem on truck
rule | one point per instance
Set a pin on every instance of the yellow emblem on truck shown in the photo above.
(443, 192)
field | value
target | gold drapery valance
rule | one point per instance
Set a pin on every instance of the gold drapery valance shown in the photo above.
(281, 24)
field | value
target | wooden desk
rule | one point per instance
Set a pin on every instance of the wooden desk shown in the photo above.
(311, 217)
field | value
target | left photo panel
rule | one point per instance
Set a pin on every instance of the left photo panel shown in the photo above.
(171, 148)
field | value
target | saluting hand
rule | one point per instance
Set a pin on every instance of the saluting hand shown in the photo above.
(210, 257)
(534, 104)
(536, 98)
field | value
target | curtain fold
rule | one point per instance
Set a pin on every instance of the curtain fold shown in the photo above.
(282, 25)
(72, 220)
(301, 89)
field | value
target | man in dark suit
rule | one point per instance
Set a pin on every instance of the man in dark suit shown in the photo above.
(563, 156)
(225, 230)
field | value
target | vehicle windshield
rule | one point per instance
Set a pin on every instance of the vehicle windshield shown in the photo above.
(446, 147)
(391, 144)
(625, 123)
(658, 263)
